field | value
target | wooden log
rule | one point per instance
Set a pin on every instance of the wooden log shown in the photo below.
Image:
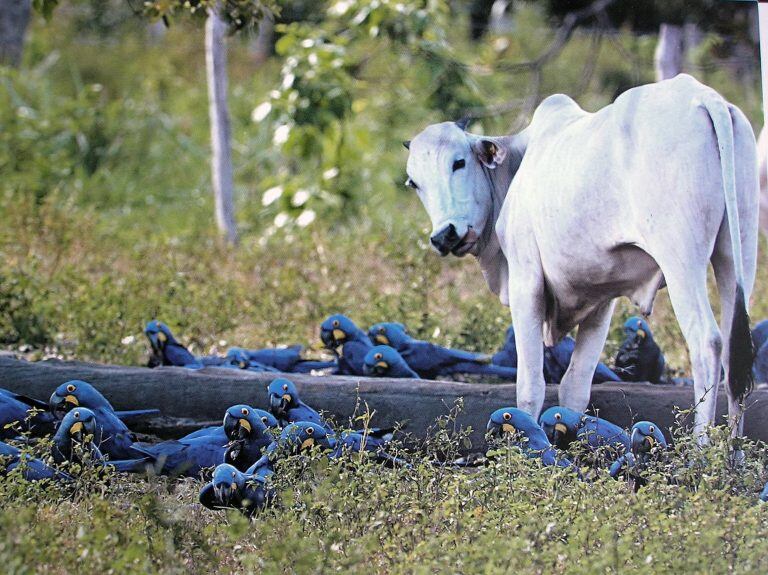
(204, 395)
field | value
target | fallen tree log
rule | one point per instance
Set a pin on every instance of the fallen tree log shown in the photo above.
(203, 395)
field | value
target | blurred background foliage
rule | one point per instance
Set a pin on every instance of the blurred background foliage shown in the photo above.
(105, 202)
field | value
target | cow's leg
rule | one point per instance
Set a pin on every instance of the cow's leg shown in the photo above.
(526, 303)
(687, 287)
(577, 381)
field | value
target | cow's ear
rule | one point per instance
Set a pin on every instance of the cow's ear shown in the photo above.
(489, 152)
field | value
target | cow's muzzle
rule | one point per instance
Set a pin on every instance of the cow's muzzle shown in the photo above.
(446, 239)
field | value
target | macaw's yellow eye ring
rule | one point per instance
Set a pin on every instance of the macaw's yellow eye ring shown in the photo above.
(285, 387)
(335, 323)
(651, 429)
(71, 388)
(507, 416)
(244, 411)
(382, 330)
(558, 417)
(377, 356)
(264, 420)
(310, 430)
(234, 474)
(76, 415)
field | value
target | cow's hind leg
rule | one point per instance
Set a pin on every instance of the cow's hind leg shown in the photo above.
(687, 287)
(577, 381)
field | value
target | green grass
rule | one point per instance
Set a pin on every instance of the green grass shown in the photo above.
(354, 516)
(106, 221)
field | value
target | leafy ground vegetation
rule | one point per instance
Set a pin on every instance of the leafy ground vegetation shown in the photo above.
(106, 221)
(511, 516)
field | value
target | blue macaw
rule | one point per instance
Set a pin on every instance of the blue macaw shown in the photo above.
(286, 405)
(187, 456)
(760, 334)
(31, 469)
(166, 349)
(350, 344)
(646, 441)
(287, 359)
(112, 435)
(563, 426)
(247, 434)
(294, 439)
(556, 359)
(31, 415)
(356, 442)
(764, 493)
(507, 355)
(639, 358)
(526, 434)
(237, 358)
(78, 428)
(384, 361)
(432, 361)
(230, 488)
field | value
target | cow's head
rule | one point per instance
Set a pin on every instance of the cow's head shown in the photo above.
(447, 168)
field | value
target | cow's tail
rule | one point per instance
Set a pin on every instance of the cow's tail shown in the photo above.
(741, 347)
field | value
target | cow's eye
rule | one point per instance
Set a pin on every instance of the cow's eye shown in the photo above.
(411, 184)
(458, 164)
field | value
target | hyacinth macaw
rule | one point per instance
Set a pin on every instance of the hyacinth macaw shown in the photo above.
(384, 361)
(231, 488)
(432, 361)
(564, 426)
(639, 358)
(350, 344)
(514, 423)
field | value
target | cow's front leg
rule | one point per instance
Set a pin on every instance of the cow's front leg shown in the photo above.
(526, 302)
(577, 381)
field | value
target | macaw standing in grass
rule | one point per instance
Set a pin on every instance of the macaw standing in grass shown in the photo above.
(287, 359)
(432, 361)
(166, 350)
(556, 359)
(350, 344)
(31, 415)
(646, 442)
(248, 436)
(516, 424)
(639, 358)
(564, 426)
(231, 488)
(294, 439)
(112, 435)
(384, 361)
(31, 469)
(75, 438)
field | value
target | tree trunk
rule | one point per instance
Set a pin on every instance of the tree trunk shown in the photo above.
(14, 18)
(221, 150)
(668, 58)
(263, 44)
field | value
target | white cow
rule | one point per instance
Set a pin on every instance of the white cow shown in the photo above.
(581, 208)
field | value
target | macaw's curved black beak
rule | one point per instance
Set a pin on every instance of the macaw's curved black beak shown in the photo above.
(278, 405)
(559, 436)
(233, 451)
(225, 491)
(60, 405)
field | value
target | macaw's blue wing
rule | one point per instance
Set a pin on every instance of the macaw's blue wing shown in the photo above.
(136, 414)
(141, 465)
(760, 334)
(113, 437)
(352, 357)
(15, 408)
(188, 458)
(764, 493)
(557, 358)
(507, 355)
(283, 359)
(30, 468)
(353, 442)
(500, 371)
(760, 366)
(603, 373)
(599, 432)
(178, 355)
(431, 361)
(215, 432)
(210, 360)
(306, 413)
